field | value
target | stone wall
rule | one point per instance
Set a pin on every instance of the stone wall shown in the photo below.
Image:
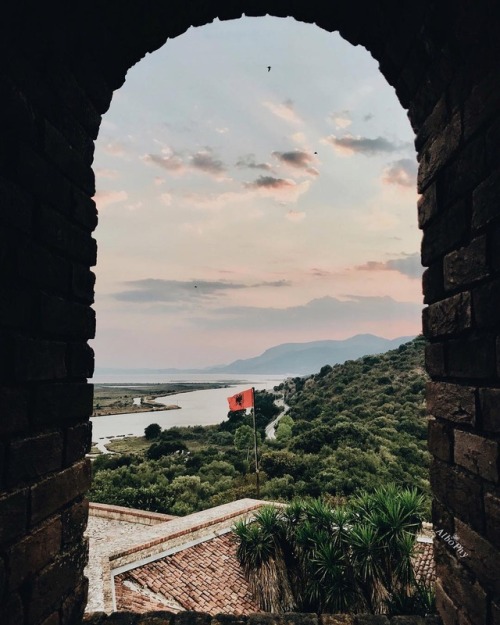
(61, 63)
(198, 618)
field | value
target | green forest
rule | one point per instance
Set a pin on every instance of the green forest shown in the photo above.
(348, 428)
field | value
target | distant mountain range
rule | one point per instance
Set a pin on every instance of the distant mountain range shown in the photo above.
(292, 358)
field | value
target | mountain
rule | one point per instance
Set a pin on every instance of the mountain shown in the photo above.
(304, 358)
(291, 358)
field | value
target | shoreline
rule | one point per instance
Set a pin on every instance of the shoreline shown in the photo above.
(138, 409)
(121, 399)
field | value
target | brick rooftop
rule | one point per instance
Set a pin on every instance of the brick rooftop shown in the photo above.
(205, 577)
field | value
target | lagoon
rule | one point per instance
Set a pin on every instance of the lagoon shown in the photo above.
(205, 407)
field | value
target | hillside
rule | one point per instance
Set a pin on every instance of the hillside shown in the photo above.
(365, 419)
(305, 358)
(289, 358)
(352, 426)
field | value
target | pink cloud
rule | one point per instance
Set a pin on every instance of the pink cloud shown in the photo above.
(105, 198)
(284, 111)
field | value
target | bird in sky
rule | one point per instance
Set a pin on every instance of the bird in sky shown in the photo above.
(268, 68)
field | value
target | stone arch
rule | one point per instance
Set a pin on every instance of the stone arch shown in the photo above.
(62, 62)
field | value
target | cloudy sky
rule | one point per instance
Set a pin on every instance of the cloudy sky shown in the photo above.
(241, 207)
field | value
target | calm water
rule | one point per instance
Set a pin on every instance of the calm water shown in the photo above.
(207, 407)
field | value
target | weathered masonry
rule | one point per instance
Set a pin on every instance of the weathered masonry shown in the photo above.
(61, 62)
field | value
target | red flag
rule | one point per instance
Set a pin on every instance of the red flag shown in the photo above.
(241, 401)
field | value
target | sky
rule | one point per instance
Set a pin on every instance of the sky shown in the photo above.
(256, 185)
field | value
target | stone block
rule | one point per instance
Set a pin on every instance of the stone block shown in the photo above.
(442, 519)
(74, 605)
(63, 319)
(14, 196)
(489, 400)
(59, 232)
(472, 357)
(84, 210)
(452, 402)
(191, 618)
(492, 515)
(460, 585)
(459, 492)
(440, 150)
(63, 403)
(440, 440)
(495, 613)
(494, 248)
(44, 268)
(482, 558)
(78, 443)
(13, 409)
(445, 606)
(54, 582)
(50, 495)
(486, 301)
(485, 201)
(80, 360)
(95, 618)
(12, 610)
(68, 160)
(165, 618)
(336, 619)
(432, 283)
(34, 552)
(43, 179)
(16, 305)
(465, 173)
(74, 521)
(39, 359)
(34, 457)
(13, 515)
(432, 125)
(122, 618)
(53, 619)
(371, 619)
(408, 620)
(449, 316)
(427, 206)
(83, 283)
(466, 265)
(435, 362)
(444, 233)
(477, 454)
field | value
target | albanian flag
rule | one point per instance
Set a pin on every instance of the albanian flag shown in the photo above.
(241, 401)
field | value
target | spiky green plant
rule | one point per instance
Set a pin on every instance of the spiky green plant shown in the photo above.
(351, 558)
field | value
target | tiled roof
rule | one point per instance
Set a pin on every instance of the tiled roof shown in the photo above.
(423, 563)
(205, 577)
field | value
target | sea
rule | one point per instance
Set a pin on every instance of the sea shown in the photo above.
(202, 407)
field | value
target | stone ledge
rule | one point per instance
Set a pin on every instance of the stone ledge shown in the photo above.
(264, 618)
(120, 513)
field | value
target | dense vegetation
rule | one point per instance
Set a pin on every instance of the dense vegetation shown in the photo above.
(355, 557)
(350, 427)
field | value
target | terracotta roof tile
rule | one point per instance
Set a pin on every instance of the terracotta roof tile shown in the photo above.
(423, 563)
(205, 577)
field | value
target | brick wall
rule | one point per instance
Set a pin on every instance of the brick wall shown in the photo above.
(61, 63)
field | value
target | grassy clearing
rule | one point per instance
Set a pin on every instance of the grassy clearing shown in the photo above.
(129, 445)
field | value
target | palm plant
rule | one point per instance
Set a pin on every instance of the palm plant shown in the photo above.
(260, 552)
(351, 558)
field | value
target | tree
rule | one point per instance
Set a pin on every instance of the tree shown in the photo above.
(243, 438)
(152, 431)
(312, 557)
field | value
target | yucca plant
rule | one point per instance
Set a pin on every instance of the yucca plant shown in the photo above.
(260, 553)
(351, 558)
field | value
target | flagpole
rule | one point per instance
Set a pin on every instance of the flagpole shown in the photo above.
(257, 480)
